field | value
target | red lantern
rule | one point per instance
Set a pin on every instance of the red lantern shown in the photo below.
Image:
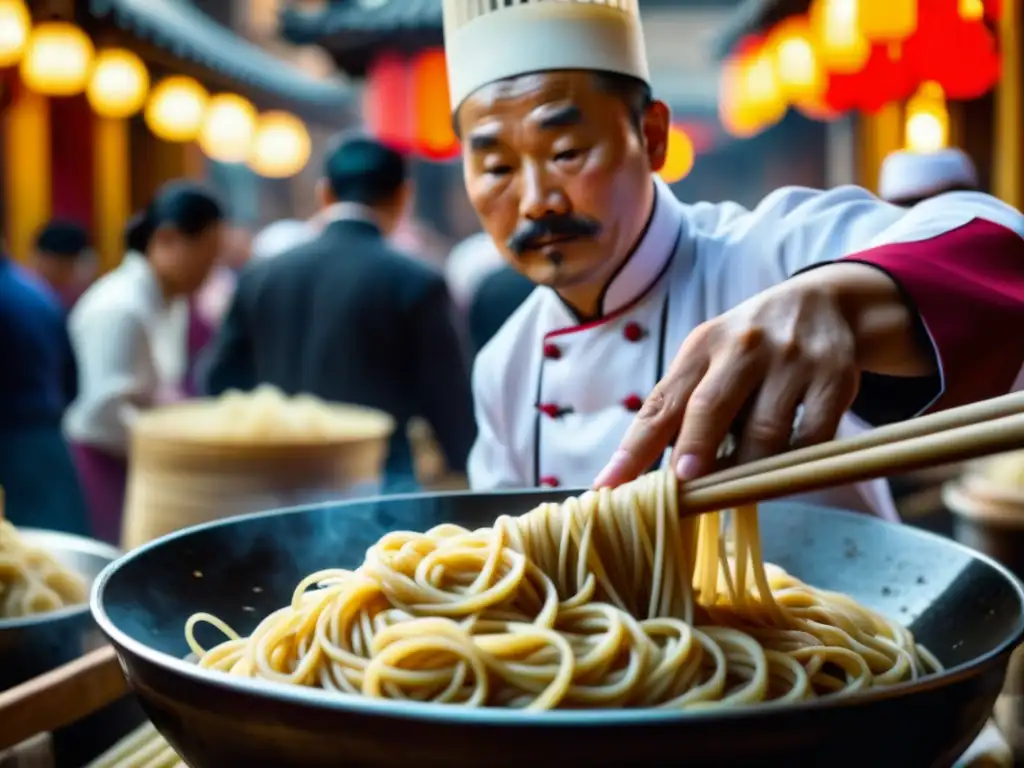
(435, 136)
(959, 55)
(387, 106)
(884, 78)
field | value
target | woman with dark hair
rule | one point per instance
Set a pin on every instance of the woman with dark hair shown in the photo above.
(134, 338)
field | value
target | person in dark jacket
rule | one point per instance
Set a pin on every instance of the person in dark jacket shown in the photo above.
(495, 299)
(348, 318)
(38, 478)
(64, 260)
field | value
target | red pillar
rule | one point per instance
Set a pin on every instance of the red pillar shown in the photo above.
(72, 155)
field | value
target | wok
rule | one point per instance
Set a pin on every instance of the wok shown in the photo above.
(963, 606)
(33, 645)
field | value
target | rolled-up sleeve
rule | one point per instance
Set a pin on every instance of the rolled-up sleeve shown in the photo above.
(967, 287)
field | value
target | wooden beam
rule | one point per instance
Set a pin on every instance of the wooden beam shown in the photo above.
(112, 182)
(1008, 140)
(28, 195)
(878, 135)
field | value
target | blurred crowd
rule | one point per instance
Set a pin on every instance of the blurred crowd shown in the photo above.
(351, 305)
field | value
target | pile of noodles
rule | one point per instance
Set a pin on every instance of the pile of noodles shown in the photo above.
(607, 600)
(31, 580)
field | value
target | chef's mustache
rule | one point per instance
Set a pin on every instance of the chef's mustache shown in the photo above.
(532, 233)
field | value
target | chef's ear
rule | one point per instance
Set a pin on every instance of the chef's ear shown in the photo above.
(655, 126)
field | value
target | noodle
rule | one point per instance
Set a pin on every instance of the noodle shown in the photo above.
(31, 581)
(606, 600)
(142, 748)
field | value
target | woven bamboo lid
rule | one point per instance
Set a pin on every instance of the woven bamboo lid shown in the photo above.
(205, 460)
(990, 490)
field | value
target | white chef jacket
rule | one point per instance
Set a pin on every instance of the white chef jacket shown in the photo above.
(554, 398)
(131, 347)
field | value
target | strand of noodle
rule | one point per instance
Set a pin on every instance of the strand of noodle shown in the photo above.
(606, 600)
(31, 580)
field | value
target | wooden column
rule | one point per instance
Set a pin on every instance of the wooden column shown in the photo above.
(112, 205)
(878, 135)
(1008, 140)
(27, 178)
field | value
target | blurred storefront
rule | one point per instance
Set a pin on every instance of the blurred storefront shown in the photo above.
(107, 99)
(394, 50)
(886, 75)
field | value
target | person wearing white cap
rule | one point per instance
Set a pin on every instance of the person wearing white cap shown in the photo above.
(656, 323)
(908, 178)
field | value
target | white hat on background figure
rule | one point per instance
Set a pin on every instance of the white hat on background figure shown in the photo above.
(909, 177)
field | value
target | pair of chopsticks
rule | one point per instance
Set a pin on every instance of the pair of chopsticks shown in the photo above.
(959, 434)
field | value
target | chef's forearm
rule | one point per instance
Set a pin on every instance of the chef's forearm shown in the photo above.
(889, 335)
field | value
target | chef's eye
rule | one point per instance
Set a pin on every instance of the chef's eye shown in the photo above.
(498, 170)
(568, 155)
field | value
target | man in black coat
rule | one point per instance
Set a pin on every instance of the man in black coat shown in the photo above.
(496, 297)
(349, 319)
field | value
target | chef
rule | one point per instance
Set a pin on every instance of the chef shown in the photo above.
(908, 178)
(656, 323)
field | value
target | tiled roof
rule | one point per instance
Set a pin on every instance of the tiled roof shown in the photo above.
(184, 31)
(753, 16)
(353, 31)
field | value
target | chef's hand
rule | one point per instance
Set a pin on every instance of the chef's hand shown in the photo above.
(802, 342)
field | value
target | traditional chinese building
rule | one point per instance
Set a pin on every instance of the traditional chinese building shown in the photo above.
(885, 74)
(394, 48)
(141, 91)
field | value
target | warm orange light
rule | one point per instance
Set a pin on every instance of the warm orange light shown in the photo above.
(228, 128)
(927, 126)
(751, 97)
(281, 147)
(760, 89)
(841, 46)
(887, 21)
(176, 108)
(679, 156)
(797, 68)
(15, 26)
(971, 10)
(118, 84)
(57, 59)
(434, 133)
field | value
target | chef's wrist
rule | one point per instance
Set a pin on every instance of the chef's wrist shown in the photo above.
(888, 333)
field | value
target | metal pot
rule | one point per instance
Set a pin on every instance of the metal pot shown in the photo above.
(967, 609)
(33, 645)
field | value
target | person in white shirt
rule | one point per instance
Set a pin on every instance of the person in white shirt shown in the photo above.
(133, 335)
(282, 235)
(908, 178)
(468, 264)
(658, 327)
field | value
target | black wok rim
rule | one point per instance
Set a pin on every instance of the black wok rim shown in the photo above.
(71, 542)
(492, 716)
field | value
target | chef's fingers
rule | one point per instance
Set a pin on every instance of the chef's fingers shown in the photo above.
(711, 410)
(829, 395)
(768, 427)
(657, 422)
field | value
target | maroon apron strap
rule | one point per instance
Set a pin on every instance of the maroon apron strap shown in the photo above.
(104, 478)
(200, 332)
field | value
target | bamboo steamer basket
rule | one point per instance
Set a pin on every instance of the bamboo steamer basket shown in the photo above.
(987, 502)
(198, 461)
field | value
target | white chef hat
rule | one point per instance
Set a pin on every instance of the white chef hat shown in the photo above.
(490, 40)
(913, 176)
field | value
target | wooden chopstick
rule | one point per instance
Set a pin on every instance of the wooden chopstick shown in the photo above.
(965, 415)
(61, 696)
(841, 465)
